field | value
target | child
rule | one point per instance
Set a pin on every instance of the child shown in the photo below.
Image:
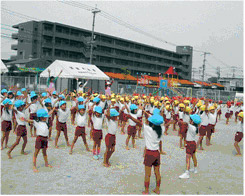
(204, 124)
(33, 111)
(62, 114)
(153, 134)
(212, 116)
(6, 124)
(167, 117)
(183, 126)
(228, 113)
(110, 139)
(132, 125)
(21, 127)
(239, 134)
(81, 120)
(191, 144)
(97, 122)
(175, 116)
(42, 137)
(73, 108)
(219, 109)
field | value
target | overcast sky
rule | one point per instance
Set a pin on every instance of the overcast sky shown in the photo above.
(211, 26)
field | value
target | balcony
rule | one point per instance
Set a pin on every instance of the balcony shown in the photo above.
(13, 57)
(47, 44)
(14, 47)
(15, 35)
(48, 33)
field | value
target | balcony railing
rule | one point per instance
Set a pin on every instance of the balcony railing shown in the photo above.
(15, 35)
(14, 47)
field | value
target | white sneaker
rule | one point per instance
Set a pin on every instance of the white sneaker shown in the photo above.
(185, 175)
(194, 170)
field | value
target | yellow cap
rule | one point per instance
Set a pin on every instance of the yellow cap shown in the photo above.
(144, 96)
(92, 98)
(96, 94)
(187, 109)
(203, 107)
(152, 97)
(215, 105)
(121, 99)
(211, 108)
(152, 101)
(156, 103)
(80, 92)
(240, 114)
(126, 99)
(159, 104)
(103, 97)
(112, 96)
(167, 102)
(168, 107)
(162, 98)
(136, 97)
(176, 102)
(139, 101)
(73, 94)
(113, 100)
(199, 104)
(166, 98)
(181, 105)
(84, 94)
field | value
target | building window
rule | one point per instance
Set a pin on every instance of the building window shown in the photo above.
(21, 41)
(35, 29)
(21, 53)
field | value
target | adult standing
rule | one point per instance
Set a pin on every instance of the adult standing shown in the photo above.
(51, 82)
(81, 86)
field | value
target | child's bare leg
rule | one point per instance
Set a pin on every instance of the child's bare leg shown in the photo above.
(66, 137)
(7, 139)
(127, 141)
(45, 156)
(57, 138)
(35, 160)
(147, 179)
(13, 146)
(158, 179)
(194, 159)
(237, 149)
(73, 143)
(24, 146)
(2, 140)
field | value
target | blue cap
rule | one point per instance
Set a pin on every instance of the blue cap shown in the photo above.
(98, 109)
(10, 92)
(54, 93)
(196, 118)
(80, 99)
(48, 100)
(32, 92)
(19, 93)
(156, 119)
(44, 94)
(7, 101)
(96, 99)
(62, 103)
(4, 91)
(62, 96)
(23, 89)
(81, 107)
(156, 111)
(19, 103)
(42, 113)
(133, 107)
(113, 112)
(33, 95)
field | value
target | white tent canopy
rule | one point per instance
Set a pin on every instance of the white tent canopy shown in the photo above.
(74, 70)
(4, 69)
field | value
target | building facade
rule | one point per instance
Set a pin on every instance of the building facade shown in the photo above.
(51, 41)
(232, 84)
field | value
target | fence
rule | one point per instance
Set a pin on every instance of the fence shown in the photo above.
(39, 84)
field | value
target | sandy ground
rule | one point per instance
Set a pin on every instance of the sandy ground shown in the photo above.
(219, 171)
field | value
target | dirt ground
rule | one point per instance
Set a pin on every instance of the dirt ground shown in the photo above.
(219, 171)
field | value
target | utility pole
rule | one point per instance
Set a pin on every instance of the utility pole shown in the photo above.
(94, 11)
(203, 69)
(218, 72)
(233, 71)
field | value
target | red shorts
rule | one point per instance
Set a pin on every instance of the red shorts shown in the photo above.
(117, 108)
(166, 121)
(231, 113)
(97, 135)
(202, 130)
(110, 140)
(73, 111)
(219, 112)
(6, 126)
(80, 131)
(125, 117)
(121, 116)
(41, 142)
(90, 112)
(152, 158)
(33, 116)
(236, 113)
(210, 129)
(190, 147)
(140, 119)
(183, 129)
(227, 115)
(21, 130)
(132, 130)
(61, 126)
(175, 117)
(238, 136)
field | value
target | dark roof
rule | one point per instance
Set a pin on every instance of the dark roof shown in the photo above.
(20, 61)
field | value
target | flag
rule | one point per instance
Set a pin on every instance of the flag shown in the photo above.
(163, 83)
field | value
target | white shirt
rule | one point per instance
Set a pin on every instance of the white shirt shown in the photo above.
(181, 115)
(34, 107)
(18, 116)
(81, 88)
(204, 118)
(191, 133)
(186, 118)
(151, 108)
(102, 104)
(139, 114)
(53, 100)
(112, 127)
(151, 138)
(73, 103)
(240, 129)
(5, 116)
(212, 118)
(176, 109)
(97, 122)
(167, 113)
(42, 128)
(81, 120)
(130, 122)
(63, 115)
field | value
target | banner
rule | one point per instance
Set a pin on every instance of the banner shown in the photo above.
(163, 83)
(143, 80)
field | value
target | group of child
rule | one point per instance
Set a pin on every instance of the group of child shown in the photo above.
(152, 115)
